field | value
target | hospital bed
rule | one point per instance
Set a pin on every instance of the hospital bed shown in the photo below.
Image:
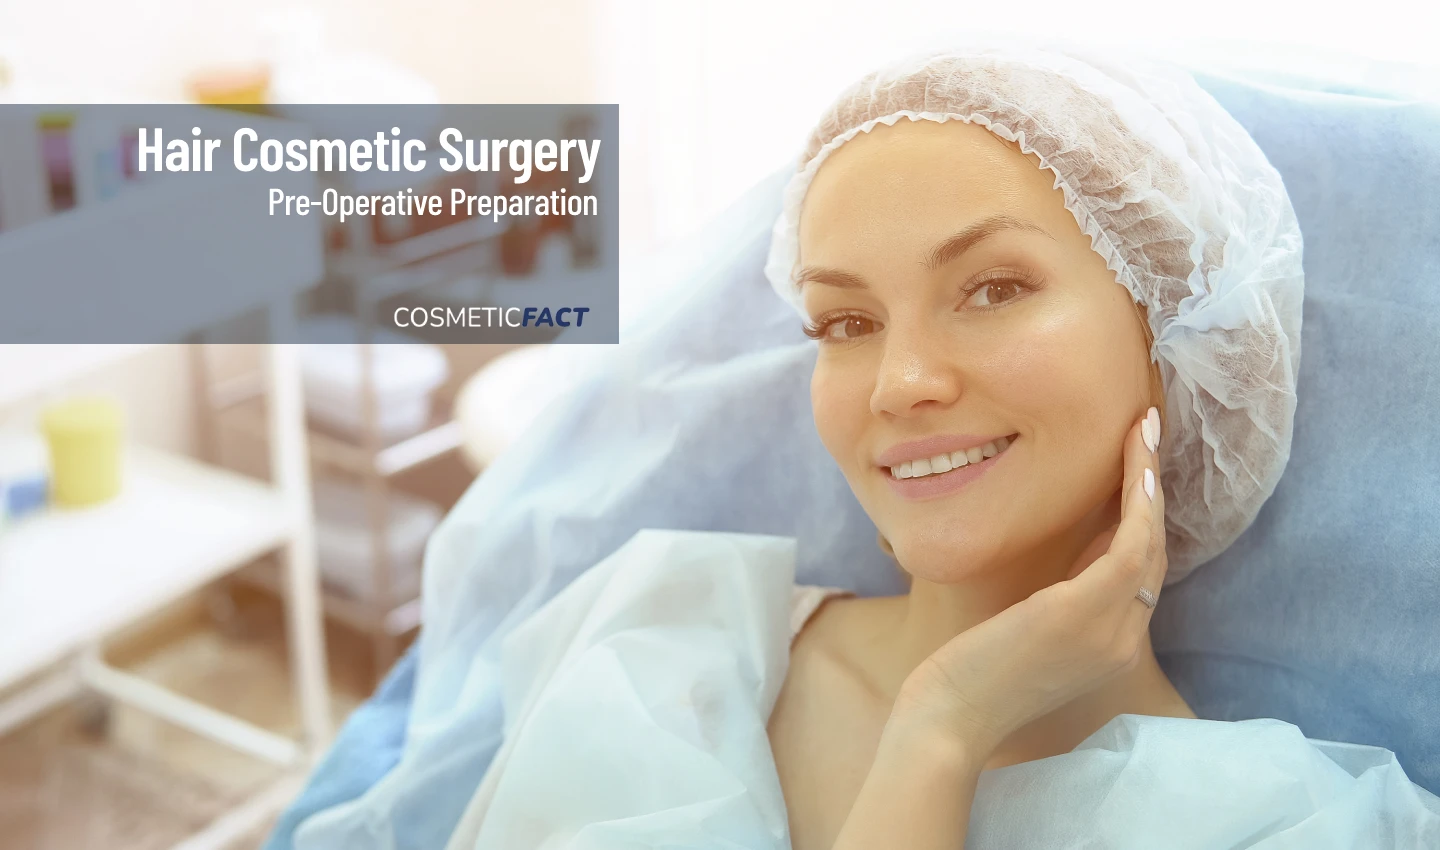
(1323, 614)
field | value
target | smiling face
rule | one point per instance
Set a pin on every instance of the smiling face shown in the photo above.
(957, 301)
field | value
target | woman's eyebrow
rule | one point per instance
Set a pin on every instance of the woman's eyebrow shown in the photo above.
(944, 251)
(830, 277)
(953, 246)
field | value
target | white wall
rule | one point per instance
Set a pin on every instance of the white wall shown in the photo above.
(488, 51)
(714, 96)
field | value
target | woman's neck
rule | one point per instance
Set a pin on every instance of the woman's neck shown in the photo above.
(936, 612)
(918, 624)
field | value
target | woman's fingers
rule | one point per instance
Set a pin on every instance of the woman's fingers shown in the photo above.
(1154, 577)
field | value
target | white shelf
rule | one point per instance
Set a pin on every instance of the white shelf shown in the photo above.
(69, 577)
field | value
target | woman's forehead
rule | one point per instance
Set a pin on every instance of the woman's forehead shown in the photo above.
(922, 181)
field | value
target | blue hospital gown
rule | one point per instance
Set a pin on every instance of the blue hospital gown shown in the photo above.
(636, 704)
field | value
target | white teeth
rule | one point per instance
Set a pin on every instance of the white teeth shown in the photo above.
(945, 463)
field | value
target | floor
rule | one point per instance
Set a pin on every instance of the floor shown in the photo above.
(87, 776)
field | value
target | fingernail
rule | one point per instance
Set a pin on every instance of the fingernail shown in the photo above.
(1146, 429)
(1154, 417)
(1150, 484)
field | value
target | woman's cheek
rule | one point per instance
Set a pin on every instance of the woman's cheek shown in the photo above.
(1035, 373)
(1072, 383)
(1057, 381)
(841, 405)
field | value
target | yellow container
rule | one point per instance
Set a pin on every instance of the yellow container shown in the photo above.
(84, 435)
(237, 86)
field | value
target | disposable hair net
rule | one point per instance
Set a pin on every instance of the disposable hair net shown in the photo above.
(1180, 203)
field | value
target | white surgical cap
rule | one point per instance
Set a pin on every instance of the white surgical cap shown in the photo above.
(1182, 205)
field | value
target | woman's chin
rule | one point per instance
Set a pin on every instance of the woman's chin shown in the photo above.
(940, 564)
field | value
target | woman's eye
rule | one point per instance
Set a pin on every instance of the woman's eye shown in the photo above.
(995, 292)
(849, 327)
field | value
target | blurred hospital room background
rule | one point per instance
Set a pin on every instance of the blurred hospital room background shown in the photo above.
(153, 681)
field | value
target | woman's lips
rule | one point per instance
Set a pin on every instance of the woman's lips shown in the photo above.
(943, 483)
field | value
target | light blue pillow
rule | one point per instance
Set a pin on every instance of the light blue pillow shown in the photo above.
(1326, 613)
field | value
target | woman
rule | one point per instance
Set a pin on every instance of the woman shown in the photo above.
(960, 308)
(1040, 448)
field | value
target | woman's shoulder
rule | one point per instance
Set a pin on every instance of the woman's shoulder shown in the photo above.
(828, 652)
(806, 600)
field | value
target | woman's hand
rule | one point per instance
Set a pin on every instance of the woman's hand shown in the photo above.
(988, 681)
(1064, 639)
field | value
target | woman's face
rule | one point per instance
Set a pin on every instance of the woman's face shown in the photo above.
(959, 304)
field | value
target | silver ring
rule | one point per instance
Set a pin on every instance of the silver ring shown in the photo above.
(1145, 596)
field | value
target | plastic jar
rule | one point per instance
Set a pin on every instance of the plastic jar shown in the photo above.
(84, 436)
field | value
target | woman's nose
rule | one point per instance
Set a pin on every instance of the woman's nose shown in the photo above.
(917, 371)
